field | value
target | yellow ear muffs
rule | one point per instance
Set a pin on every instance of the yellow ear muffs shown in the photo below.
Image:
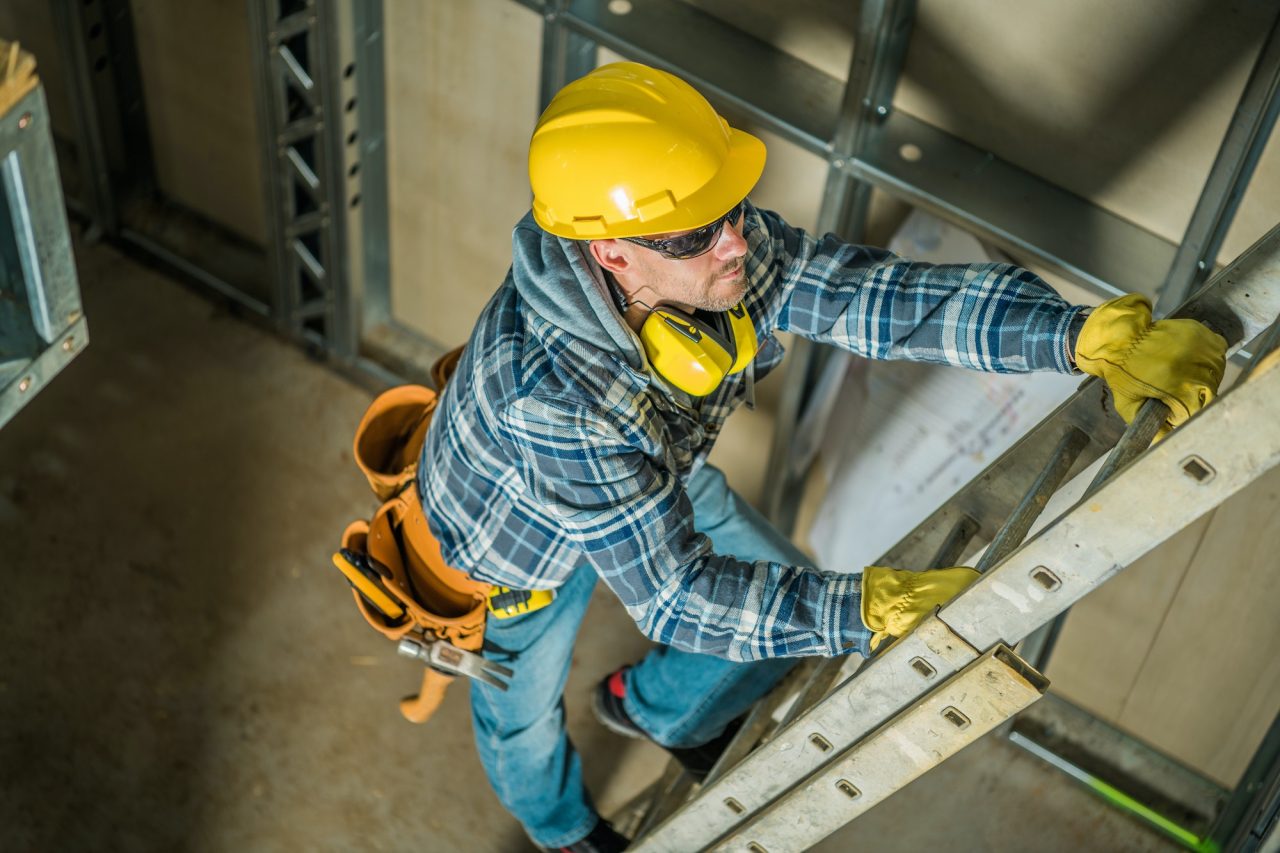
(694, 352)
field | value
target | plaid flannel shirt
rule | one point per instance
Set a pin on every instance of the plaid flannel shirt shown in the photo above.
(549, 452)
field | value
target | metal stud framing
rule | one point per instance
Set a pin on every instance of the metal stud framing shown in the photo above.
(370, 169)
(566, 55)
(298, 78)
(884, 27)
(1247, 135)
(856, 129)
(113, 148)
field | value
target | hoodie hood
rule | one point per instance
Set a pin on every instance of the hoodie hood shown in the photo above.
(563, 284)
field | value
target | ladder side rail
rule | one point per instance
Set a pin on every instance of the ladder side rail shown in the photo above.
(1013, 531)
(1084, 547)
(965, 707)
(1239, 302)
(822, 674)
(1039, 644)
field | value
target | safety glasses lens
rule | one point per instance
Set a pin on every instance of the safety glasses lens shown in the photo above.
(699, 241)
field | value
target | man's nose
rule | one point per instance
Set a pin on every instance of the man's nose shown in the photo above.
(731, 243)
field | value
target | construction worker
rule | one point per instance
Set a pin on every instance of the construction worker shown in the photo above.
(571, 443)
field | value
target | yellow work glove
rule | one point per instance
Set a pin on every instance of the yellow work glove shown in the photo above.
(1178, 362)
(894, 600)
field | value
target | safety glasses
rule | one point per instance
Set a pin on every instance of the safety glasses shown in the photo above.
(695, 243)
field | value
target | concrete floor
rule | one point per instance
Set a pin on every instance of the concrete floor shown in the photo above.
(180, 668)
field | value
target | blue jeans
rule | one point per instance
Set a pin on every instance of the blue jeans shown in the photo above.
(678, 698)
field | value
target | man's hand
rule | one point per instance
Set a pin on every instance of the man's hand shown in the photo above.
(1178, 362)
(894, 600)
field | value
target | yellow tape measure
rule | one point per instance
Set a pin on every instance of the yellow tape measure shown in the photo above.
(505, 602)
(366, 581)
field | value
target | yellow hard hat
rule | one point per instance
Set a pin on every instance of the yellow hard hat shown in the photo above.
(629, 151)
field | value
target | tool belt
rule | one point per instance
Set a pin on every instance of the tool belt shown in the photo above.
(400, 582)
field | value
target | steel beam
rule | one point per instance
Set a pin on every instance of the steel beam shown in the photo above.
(813, 372)
(297, 86)
(1246, 137)
(92, 106)
(566, 53)
(374, 241)
(42, 325)
(1251, 819)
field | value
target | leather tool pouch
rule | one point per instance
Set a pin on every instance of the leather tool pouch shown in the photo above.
(440, 602)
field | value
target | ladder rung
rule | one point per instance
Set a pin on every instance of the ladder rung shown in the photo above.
(1014, 530)
(1137, 438)
(949, 552)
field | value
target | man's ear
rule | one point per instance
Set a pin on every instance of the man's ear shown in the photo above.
(611, 255)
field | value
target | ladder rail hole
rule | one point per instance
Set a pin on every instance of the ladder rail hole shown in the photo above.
(1045, 578)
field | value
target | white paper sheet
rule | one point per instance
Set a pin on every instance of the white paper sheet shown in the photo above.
(904, 437)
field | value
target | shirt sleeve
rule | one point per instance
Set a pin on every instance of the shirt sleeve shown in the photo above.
(989, 316)
(634, 522)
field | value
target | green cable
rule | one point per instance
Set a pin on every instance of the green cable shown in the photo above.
(1122, 800)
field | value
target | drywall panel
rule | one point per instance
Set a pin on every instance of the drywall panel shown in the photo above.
(1260, 208)
(1109, 633)
(30, 23)
(197, 87)
(1122, 106)
(1111, 101)
(1211, 684)
(462, 99)
(819, 32)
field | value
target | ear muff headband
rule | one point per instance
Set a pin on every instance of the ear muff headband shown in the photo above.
(695, 353)
(744, 336)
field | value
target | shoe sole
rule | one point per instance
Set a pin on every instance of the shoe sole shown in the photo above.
(597, 709)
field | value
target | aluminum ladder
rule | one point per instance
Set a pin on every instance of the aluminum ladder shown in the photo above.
(839, 735)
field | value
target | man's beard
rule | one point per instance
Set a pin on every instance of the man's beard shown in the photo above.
(714, 302)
